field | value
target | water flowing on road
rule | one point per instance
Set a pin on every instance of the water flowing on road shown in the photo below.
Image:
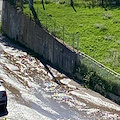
(33, 94)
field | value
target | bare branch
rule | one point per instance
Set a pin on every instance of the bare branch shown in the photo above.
(72, 4)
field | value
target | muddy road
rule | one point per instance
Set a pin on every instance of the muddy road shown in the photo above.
(33, 94)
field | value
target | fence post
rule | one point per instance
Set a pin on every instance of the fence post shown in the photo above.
(73, 37)
(78, 42)
(46, 22)
(54, 27)
(63, 33)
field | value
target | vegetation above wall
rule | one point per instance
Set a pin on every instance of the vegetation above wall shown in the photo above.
(98, 28)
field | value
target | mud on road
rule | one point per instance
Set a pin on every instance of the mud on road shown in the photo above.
(33, 94)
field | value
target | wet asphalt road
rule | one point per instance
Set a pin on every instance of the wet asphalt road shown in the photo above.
(33, 94)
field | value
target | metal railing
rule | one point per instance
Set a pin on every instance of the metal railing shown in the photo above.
(58, 30)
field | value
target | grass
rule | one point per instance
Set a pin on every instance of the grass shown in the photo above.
(99, 29)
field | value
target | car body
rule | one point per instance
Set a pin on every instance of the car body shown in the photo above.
(3, 96)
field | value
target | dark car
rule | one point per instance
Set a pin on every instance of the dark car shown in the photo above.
(3, 96)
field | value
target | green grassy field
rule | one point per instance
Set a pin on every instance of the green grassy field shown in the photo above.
(99, 30)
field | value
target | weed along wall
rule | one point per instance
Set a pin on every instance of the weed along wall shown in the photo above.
(21, 28)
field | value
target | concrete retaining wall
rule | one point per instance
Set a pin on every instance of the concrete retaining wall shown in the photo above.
(19, 27)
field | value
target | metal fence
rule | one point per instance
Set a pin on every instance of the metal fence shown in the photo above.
(73, 39)
(58, 30)
(101, 70)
